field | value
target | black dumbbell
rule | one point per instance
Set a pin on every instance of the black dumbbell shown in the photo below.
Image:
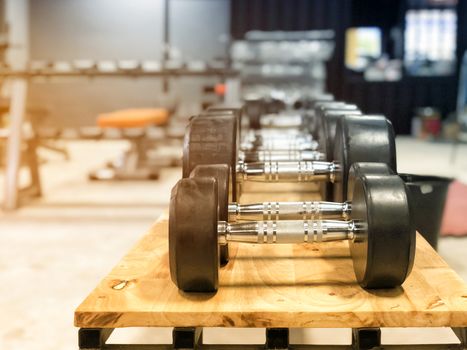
(290, 139)
(211, 140)
(382, 248)
(320, 125)
(266, 154)
(278, 141)
(306, 210)
(295, 145)
(278, 210)
(319, 121)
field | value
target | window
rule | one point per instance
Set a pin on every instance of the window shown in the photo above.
(363, 45)
(430, 41)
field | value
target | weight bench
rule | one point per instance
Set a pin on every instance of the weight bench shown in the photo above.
(132, 125)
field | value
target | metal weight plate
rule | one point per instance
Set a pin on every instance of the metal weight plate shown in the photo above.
(318, 109)
(221, 173)
(384, 246)
(217, 112)
(330, 118)
(309, 109)
(210, 140)
(327, 121)
(319, 131)
(361, 139)
(193, 237)
(238, 112)
(358, 170)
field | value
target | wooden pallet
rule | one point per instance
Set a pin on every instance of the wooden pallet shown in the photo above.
(273, 286)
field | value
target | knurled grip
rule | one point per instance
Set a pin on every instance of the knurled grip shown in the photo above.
(297, 171)
(284, 145)
(280, 156)
(287, 231)
(307, 210)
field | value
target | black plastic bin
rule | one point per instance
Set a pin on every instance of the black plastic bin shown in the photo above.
(428, 197)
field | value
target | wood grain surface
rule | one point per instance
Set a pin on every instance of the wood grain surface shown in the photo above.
(273, 286)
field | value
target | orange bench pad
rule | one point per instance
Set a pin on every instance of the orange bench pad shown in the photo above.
(133, 118)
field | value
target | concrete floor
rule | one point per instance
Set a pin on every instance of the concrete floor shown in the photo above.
(55, 250)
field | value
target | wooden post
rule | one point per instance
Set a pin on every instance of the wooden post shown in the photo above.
(13, 150)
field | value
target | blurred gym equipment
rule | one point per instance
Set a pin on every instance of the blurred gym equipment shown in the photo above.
(137, 126)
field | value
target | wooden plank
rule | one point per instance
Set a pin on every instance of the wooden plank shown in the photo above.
(273, 286)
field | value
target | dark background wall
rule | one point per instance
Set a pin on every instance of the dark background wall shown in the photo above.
(396, 100)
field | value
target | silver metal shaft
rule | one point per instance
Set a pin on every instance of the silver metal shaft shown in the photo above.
(289, 211)
(253, 134)
(280, 156)
(280, 145)
(287, 171)
(287, 231)
(283, 121)
(278, 136)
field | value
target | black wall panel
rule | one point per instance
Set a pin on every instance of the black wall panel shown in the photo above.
(396, 100)
(286, 15)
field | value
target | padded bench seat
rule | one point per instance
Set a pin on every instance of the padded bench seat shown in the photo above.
(134, 118)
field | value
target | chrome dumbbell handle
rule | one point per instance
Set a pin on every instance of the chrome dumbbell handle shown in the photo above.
(281, 145)
(309, 210)
(279, 156)
(278, 136)
(288, 231)
(287, 171)
(272, 131)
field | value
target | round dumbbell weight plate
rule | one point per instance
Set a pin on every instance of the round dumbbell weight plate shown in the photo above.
(384, 245)
(329, 123)
(326, 119)
(358, 170)
(215, 113)
(361, 139)
(211, 140)
(193, 238)
(221, 173)
(238, 112)
(318, 109)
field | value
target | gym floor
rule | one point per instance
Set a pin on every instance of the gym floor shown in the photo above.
(54, 250)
